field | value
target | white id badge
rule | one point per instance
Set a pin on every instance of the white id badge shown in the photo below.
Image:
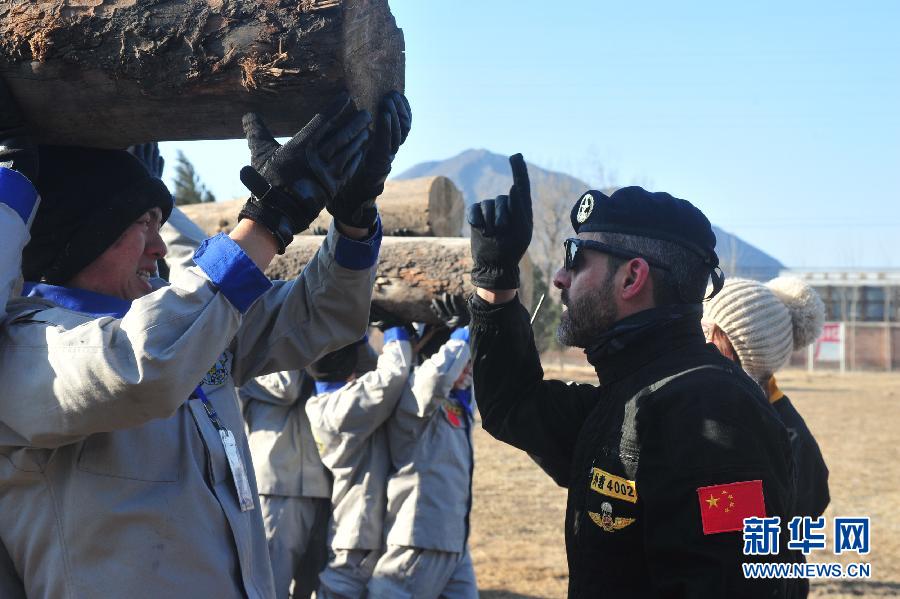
(238, 473)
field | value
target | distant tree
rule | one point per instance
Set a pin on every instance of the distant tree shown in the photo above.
(188, 187)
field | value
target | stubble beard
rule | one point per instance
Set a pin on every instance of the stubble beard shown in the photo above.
(587, 317)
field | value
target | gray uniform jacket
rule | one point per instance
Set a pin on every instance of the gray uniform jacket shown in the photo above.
(112, 482)
(281, 442)
(348, 423)
(431, 447)
(18, 205)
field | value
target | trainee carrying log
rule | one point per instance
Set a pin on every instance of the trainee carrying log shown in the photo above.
(411, 271)
(424, 207)
(110, 73)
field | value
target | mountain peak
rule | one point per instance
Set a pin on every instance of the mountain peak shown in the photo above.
(482, 174)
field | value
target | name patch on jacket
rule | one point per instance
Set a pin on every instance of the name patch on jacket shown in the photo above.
(219, 372)
(724, 507)
(613, 486)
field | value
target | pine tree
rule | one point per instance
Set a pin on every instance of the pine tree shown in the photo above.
(188, 188)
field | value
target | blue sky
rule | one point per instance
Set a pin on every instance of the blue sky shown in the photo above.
(779, 120)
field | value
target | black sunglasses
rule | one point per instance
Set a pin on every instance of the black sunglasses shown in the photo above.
(573, 246)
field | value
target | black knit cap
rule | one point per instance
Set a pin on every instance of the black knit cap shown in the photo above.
(89, 197)
(337, 366)
(657, 215)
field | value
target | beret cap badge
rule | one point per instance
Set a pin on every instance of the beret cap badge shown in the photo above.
(585, 208)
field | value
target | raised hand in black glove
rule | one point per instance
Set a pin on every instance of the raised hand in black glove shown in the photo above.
(150, 157)
(292, 183)
(383, 320)
(355, 205)
(452, 310)
(501, 232)
(17, 151)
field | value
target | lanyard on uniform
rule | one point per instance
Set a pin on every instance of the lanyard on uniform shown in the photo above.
(235, 463)
(209, 408)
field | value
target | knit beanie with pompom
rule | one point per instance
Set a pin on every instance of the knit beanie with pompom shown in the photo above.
(766, 322)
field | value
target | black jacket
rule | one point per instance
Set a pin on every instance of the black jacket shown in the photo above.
(812, 473)
(650, 444)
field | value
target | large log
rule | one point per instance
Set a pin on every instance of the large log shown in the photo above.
(424, 207)
(411, 271)
(110, 73)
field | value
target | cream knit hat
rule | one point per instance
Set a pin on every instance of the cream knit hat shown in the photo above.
(766, 322)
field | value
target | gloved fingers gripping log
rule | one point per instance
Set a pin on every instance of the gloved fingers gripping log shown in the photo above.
(292, 183)
(148, 154)
(451, 309)
(355, 205)
(501, 232)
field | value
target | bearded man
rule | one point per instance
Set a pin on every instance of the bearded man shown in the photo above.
(676, 446)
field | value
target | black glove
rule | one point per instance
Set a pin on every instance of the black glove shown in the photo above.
(452, 310)
(17, 151)
(501, 232)
(292, 183)
(355, 205)
(150, 157)
(383, 320)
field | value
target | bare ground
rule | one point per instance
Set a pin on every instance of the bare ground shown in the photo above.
(517, 516)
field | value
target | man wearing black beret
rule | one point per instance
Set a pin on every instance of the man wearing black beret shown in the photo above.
(665, 459)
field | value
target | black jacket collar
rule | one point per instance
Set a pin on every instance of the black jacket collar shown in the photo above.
(644, 337)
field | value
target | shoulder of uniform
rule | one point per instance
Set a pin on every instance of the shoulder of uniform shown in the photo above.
(711, 392)
(22, 308)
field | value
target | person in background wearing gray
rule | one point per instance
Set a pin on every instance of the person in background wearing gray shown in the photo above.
(429, 492)
(348, 415)
(18, 205)
(126, 469)
(294, 484)
(758, 325)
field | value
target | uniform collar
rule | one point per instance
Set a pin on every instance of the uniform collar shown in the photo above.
(79, 300)
(644, 337)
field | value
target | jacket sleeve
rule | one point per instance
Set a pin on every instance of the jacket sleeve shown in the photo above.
(323, 309)
(360, 407)
(812, 474)
(517, 405)
(18, 205)
(343, 420)
(433, 379)
(182, 237)
(278, 388)
(108, 373)
(700, 436)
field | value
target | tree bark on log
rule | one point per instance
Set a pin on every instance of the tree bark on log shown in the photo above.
(110, 73)
(423, 207)
(411, 271)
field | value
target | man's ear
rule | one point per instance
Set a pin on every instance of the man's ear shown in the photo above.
(636, 282)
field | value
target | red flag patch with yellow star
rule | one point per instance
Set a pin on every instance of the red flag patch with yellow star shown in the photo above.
(724, 507)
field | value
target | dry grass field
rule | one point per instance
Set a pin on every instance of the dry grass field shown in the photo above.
(517, 517)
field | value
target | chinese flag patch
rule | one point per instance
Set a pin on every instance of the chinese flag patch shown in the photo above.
(724, 507)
